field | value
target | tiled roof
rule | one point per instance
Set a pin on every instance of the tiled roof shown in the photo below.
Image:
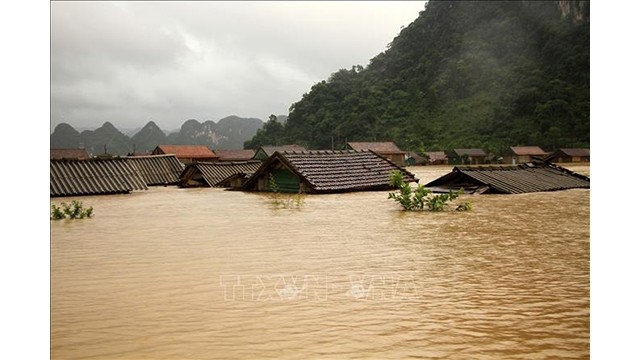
(270, 150)
(71, 154)
(336, 171)
(517, 179)
(187, 151)
(93, 177)
(158, 169)
(214, 173)
(386, 147)
(576, 152)
(235, 155)
(470, 152)
(528, 150)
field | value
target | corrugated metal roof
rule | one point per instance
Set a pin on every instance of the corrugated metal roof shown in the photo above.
(158, 169)
(524, 178)
(214, 173)
(335, 171)
(94, 177)
(383, 147)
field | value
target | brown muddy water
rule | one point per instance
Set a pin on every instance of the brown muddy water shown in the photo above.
(211, 274)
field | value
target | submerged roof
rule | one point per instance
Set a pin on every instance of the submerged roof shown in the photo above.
(470, 152)
(270, 150)
(158, 169)
(76, 154)
(384, 147)
(235, 155)
(215, 173)
(335, 171)
(578, 152)
(436, 155)
(527, 150)
(93, 177)
(524, 178)
(186, 151)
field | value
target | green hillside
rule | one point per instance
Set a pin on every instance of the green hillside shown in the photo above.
(463, 74)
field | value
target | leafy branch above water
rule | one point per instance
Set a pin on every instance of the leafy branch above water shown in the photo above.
(75, 210)
(421, 198)
(287, 201)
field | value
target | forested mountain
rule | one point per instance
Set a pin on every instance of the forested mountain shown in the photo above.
(488, 74)
(228, 133)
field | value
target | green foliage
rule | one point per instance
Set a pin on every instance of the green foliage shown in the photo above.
(488, 74)
(420, 198)
(281, 200)
(74, 210)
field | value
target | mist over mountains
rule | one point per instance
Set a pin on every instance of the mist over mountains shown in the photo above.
(464, 74)
(228, 133)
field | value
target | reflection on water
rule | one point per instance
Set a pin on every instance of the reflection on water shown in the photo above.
(205, 273)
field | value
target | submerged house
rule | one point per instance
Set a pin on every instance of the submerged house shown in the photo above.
(235, 155)
(467, 156)
(266, 151)
(436, 157)
(523, 154)
(94, 177)
(388, 149)
(325, 171)
(158, 169)
(570, 155)
(219, 174)
(413, 158)
(186, 153)
(514, 179)
(69, 154)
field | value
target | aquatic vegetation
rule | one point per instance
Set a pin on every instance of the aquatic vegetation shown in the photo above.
(421, 198)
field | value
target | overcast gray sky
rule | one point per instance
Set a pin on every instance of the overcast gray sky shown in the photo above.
(131, 62)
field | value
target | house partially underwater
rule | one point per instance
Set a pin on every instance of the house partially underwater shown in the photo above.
(231, 174)
(325, 171)
(94, 177)
(158, 169)
(516, 179)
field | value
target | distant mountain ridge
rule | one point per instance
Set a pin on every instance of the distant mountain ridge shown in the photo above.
(228, 133)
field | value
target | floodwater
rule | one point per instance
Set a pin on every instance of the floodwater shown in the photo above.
(174, 273)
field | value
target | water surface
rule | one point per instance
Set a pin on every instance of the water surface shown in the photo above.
(211, 274)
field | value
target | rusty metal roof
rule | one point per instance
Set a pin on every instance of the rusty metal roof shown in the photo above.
(185, 151)
(158, 169)
(93, 177)
(527, 150)
(72, 154)
(235, 155)
(335, 171)
(524, 178)
(213, 173)
(382, 147)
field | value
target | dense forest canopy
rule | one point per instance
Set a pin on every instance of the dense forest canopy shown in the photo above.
(489, 74)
